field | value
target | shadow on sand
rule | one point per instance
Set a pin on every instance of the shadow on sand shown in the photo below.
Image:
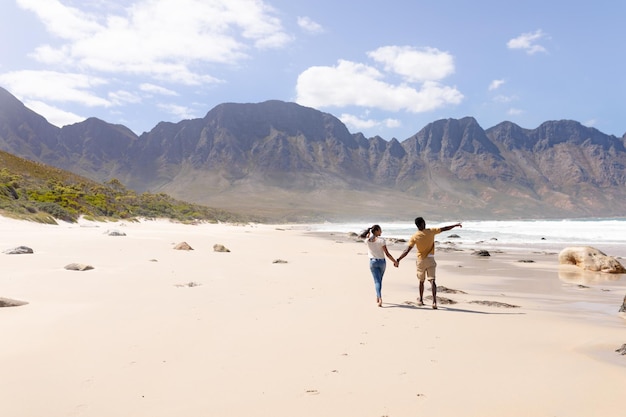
(413, 306)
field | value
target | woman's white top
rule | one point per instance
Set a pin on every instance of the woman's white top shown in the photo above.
(375, 248)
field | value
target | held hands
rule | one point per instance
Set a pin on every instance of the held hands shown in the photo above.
(396, 263)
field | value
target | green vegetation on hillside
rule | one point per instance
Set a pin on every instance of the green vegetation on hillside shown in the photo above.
(35, 191)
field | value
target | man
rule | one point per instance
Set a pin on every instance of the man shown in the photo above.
(424, 241)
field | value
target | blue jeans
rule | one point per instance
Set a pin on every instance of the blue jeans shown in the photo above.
(377, 266)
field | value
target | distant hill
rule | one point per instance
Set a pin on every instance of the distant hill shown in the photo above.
(35, 191)
(293, 163)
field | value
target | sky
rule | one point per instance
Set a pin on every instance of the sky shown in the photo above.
(383, 68)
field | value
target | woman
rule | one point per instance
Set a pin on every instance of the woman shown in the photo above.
(377, 250)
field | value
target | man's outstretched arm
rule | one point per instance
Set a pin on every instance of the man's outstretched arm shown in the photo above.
(452, 226)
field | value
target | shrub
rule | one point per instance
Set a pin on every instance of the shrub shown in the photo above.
(57, 211)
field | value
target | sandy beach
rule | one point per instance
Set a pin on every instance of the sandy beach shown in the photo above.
(285, 324)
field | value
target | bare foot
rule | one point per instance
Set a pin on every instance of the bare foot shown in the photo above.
(434, 306)
(420, 303)
(380, 302)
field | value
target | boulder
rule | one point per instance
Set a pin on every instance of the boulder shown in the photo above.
(7, 302)
(590, 259)
(18, 250)
(78, 267)
(623, 307)
(481, 253)
(220, 248)
(183, 246)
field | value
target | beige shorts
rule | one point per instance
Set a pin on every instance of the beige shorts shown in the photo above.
(426, 267)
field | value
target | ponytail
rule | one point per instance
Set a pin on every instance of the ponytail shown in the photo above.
(365, 232)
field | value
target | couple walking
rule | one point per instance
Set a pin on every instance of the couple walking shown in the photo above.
(423, 240)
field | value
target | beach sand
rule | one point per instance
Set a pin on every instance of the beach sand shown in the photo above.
(286, 324)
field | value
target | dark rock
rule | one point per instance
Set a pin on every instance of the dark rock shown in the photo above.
(622, 350)
(6, 302)
(623, 307)
(188, 284)
(526, 261)
(481, 253)
(20, 250)
(279, 261)
(115, 233)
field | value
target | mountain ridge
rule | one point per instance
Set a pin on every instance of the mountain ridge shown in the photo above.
(295, 162)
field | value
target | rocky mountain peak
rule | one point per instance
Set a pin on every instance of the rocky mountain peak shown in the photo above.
(276, 157)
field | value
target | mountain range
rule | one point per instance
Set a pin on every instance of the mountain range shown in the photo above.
(287, 162)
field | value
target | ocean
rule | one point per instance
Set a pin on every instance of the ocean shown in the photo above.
(605, 234)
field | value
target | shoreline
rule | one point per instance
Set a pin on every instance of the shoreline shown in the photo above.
(153, 331)
(451, 257)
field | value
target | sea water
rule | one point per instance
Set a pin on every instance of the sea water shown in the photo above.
(605, 234)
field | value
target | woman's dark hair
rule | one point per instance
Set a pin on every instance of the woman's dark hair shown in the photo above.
(365, 232)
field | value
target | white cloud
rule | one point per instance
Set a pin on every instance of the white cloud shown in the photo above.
(63, 21)
(159, 38)
(48, 55)
(415, 65)
(156, 89)
(495, 84)
(121, 97)
(54, 115)
(94, 45)
(528, 41)
(504, 99)
(181, 112)
(515, 112)
(357, 123)
(392, 123)
(55, 86)
(309, 25)
(354, 84)
(590, 123)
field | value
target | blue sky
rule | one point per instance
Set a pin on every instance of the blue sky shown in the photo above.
(386, 71)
